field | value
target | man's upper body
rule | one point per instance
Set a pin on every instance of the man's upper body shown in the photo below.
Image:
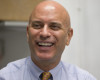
(48, 32)
(25, 69)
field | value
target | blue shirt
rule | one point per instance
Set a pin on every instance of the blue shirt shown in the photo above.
(25, 69)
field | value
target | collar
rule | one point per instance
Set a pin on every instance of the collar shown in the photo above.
(56, 70)
(36, 71)
(33, 69)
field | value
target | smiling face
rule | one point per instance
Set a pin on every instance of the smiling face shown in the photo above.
(48, 32)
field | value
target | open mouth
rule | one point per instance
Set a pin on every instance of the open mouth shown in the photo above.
(45, 44)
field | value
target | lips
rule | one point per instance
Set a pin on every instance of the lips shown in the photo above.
(45, 44)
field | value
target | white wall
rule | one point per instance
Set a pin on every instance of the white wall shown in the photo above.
(93, 37)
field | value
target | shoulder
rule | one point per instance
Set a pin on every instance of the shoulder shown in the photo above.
(13, 66)
(75, 71)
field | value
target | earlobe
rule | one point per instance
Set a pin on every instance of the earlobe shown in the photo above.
(69, 36)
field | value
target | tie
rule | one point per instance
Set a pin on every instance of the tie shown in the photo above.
(45, 75)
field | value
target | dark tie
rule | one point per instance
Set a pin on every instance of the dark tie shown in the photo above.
(46, 76)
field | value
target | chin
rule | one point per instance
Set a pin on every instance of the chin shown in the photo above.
(45, 58)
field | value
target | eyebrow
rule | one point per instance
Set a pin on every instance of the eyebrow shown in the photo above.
(55, 23)
(36, 22)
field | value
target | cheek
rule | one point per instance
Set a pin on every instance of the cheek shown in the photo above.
(33, 33)
(62, 41)
(60, 46)
(62, 37)
(31, 37)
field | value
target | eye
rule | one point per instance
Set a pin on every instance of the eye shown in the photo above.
(55, 26)
(37, 25)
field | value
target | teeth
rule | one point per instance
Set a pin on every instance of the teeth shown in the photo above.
(45, 44)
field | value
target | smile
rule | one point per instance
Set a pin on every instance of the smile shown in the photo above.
(45, 44)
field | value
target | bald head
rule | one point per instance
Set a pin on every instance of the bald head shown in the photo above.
(50, 6)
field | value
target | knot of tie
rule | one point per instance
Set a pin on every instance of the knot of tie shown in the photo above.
(45, 75)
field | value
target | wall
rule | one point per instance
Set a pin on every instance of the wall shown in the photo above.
(93, 37)
(15, 44)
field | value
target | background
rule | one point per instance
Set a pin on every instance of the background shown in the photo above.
(84, 48)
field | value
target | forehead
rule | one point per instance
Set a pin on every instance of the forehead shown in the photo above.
(50, 10)
(48, 13)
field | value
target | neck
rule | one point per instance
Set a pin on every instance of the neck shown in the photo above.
(46, 65)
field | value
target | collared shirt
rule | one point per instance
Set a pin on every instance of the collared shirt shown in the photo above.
(25, 69)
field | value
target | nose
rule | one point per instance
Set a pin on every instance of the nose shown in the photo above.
(45, 33)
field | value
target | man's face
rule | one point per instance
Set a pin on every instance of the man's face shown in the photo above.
(47, 34)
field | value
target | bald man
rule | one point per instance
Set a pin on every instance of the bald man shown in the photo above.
(48, 33)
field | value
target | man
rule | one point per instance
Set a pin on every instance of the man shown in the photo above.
(48, 32)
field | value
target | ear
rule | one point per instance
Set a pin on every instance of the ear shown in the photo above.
(69, 36)
(27, 33)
